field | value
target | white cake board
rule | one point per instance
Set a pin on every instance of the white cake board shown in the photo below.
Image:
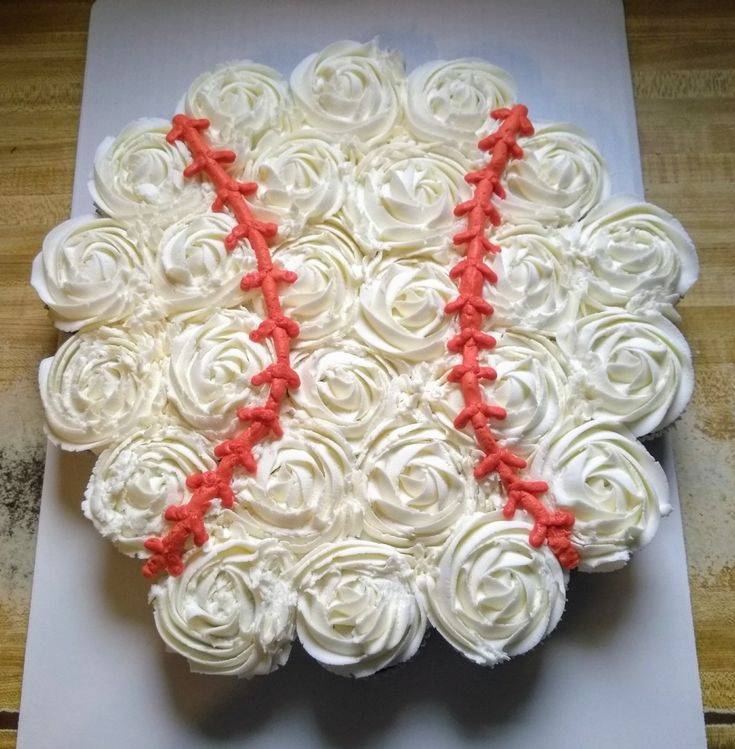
(620, 670)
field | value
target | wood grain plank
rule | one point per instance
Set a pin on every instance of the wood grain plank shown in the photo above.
(13, 625)
(8, 739)
(721, 737)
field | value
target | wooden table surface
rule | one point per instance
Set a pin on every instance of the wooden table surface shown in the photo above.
(683, 61)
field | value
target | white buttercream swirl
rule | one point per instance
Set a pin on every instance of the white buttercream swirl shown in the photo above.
(637, 252)
(302, 491)
(242, 100)
(357, 607)
(139, 177)
(322, 300)
(537, 288)
(401, 310)
(404, 195)
(101, 383)
(615, 489)
(192, 270)
(347, 385)
(232, 610)
(636, 369)
(133, 482)
(532, 386)
(89, 271)
(212, 362)
(450, 100)
(301, 176)
(493, 595)
(417, 482)
(350, 89)
(560, 178)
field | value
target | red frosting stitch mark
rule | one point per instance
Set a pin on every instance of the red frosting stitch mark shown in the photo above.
(263, 420)
(552, 526)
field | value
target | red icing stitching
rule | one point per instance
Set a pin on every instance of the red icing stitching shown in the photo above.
(552, 526)
(237, 452)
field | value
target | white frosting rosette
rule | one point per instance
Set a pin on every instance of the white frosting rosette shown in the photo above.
(560, 178)
(301, 176)
(450, 100)
(615, 489)
(416, 482)
(492, 595)
(100, 384)
(350, 89)
(538, 288)
(532, 386)
(242, 100)
(401, 310)
(301, 493)
(211, 366)
(636, 369)
(192, 270)
(357, 607)
(404, 195)
(133, 482)
(231, 612)
(139, 177)
(347, 385)
(89, 271)
(636, 252)
(322, 300)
